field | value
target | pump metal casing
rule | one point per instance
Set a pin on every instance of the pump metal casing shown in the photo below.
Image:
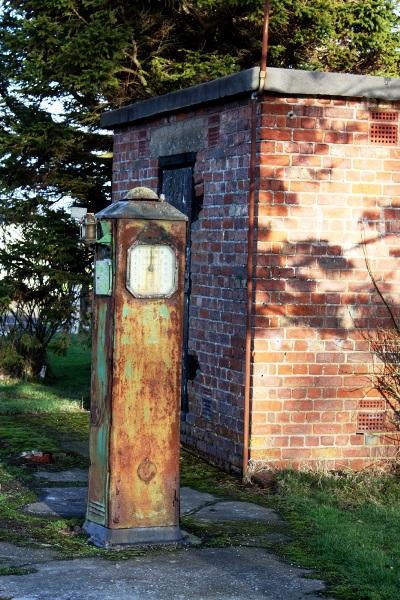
(136, 384)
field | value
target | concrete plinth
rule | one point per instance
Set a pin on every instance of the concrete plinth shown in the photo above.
(104, 537)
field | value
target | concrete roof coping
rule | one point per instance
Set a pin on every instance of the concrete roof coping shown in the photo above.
(287, 82)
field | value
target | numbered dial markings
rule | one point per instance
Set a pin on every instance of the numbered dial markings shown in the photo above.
(151, 271)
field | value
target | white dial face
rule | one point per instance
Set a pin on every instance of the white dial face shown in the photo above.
(151, 271)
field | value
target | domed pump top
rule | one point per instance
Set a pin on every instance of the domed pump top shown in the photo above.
(142, 203)
(142, 193)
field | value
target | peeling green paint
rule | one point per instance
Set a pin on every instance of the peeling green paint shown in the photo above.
(99, 434)
(102, 444)
(151, 325)
(129, 370)
(101, 362)
(106, 235)
(164, 312)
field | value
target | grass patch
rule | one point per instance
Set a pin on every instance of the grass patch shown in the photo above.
(69, 375)
(46, 433)
(37, 416)
(66, 389)
(347, 528)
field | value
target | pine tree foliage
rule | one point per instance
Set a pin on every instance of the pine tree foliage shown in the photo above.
(43, 269)
(94, 55)
(64, 62)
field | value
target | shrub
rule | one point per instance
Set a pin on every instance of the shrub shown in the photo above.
(43, 268)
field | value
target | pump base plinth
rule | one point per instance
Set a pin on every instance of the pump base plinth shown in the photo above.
(105, 537)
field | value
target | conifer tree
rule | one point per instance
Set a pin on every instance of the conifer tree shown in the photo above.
(92, 55)
(65, 62)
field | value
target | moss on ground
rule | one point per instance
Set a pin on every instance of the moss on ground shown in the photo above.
(66, 537)
(232, 533)
(44, 432)
(16, 571)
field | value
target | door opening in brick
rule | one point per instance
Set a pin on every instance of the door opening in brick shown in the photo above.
(176, 183)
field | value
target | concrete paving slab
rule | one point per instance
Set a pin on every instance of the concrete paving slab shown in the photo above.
(60, 502)
(71, 501)
(192, 500)
(195, 574)
(18, 556)
(238, 511)
(69, 476)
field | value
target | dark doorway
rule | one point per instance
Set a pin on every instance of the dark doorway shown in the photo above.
(176, 183)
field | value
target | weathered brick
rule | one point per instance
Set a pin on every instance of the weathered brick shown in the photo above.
(321, 188)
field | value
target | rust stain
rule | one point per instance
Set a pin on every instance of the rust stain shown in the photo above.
(144, 443)
(146, 470)
(136, 389)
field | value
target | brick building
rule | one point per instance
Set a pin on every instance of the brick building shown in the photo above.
(327, 194)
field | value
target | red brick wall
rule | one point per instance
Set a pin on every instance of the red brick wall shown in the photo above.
(324, 188)
(214, 422)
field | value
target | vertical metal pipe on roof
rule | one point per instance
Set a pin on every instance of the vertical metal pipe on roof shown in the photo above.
(250, 239)
(264, 49)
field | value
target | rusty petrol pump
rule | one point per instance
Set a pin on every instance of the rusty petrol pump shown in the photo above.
(136, 371)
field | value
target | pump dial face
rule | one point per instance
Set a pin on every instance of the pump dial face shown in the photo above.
(152, 271)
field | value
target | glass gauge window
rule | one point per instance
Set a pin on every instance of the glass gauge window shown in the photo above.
(151, 270)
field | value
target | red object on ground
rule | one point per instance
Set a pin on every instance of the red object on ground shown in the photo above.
(39, 457)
